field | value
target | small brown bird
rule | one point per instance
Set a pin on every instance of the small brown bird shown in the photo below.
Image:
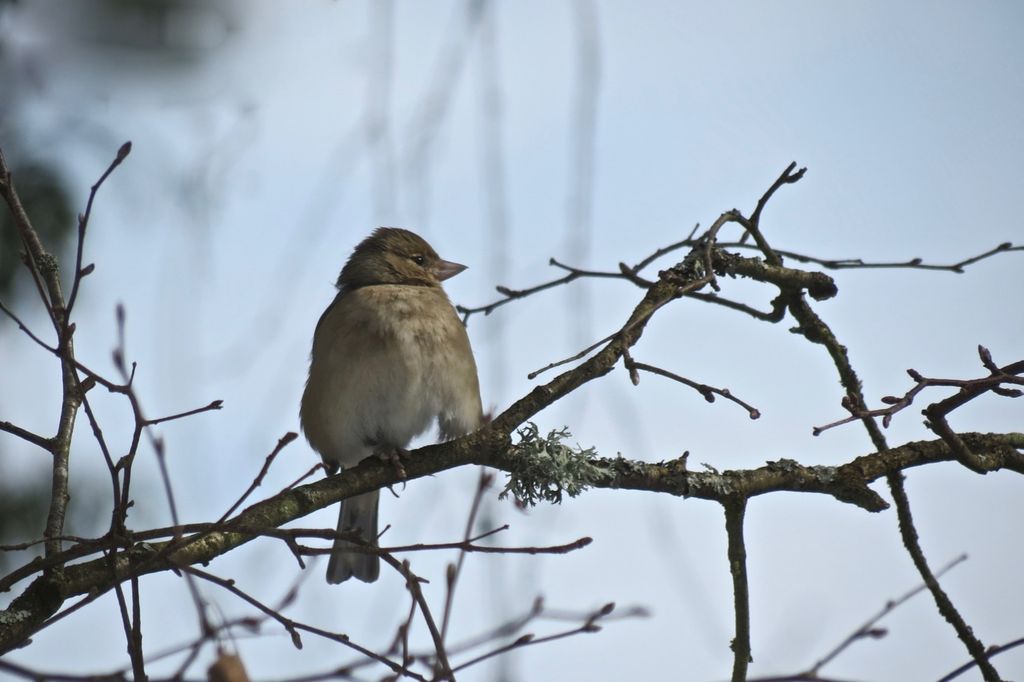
(390, 355)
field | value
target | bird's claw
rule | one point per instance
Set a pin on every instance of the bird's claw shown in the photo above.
(394, 457)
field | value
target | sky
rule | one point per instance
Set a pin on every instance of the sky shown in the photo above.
(268, 139)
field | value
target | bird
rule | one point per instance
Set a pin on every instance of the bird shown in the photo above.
(390, 356)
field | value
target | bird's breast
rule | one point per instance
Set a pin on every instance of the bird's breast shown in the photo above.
(386, 362)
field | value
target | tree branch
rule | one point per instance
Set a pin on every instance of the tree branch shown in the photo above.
(489, 447)
(814, 329)
(25, 434)
(735, 508)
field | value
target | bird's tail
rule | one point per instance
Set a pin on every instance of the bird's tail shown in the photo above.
(347, 560)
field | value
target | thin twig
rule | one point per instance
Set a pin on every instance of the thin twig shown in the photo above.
(913, 263)
(683, 280)
(589, 625)
(514, 294)
(484, 482)
(25, 434)
(708, 392)
(292, 626)
(968, 389)
(282, 442)
(787, 177)
(631, 273)
(214, 405)
(868, 628)
(23, 327)
(463, 546)
(412, 582)
(991, 652)
(83, 222)
(936, 413)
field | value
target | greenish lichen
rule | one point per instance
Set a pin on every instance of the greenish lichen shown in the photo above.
(14, 617)
(546, 468)
(47, 264)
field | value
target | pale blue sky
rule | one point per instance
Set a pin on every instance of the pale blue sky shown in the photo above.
(252, 176)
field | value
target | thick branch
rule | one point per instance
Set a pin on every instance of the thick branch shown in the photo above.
(849, 483)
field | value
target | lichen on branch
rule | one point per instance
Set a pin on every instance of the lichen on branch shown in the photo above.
(545, 467)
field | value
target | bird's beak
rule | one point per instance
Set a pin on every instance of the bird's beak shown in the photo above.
(446, 269)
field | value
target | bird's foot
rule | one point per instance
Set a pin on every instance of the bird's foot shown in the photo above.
(393, 456)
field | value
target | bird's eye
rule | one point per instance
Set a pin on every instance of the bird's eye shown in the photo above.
(418, 259)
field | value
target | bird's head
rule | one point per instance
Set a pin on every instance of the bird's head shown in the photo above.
(392, 255)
